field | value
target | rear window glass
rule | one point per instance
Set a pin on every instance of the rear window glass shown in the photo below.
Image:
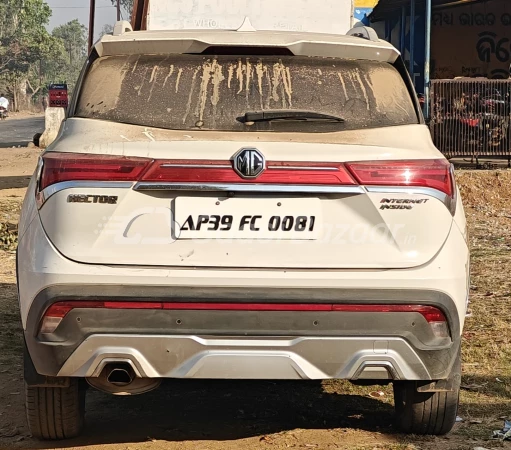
(195, 92)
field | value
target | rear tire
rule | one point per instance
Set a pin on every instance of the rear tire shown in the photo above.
(55, 413)
(432, 413)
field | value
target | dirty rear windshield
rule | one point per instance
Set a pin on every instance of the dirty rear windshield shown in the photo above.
(194, 92)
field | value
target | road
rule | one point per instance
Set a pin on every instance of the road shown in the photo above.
(16, 132)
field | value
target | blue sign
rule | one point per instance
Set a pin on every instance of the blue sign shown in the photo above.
(362, 15)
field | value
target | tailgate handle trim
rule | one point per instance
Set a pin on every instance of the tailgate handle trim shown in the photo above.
(249, 188)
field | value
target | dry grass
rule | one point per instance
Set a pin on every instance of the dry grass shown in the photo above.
(9, 214)
(486, 346)
(487, 336)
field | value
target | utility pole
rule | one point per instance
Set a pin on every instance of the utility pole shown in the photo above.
(139, 16)
(118, 10)
(92, 16)
(427, 67)
(412, 41)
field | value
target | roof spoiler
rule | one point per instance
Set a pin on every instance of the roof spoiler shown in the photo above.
(122, 27)
(364, 32)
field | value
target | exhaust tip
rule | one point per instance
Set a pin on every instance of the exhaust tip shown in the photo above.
(120, 375)
(120, 378)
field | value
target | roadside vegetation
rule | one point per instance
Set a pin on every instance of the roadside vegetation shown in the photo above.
(31, 57)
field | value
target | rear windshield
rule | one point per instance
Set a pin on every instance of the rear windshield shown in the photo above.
(195, 92)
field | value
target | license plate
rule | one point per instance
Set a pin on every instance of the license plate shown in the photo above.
(247, 218)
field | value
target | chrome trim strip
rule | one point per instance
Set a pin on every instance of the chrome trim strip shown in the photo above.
(335, 169)
(387, 365)
(58, 187)
(106, 361)
(249, 188)
(196, 166)
(413, 190)
(39, 198)
(408, 190)
(454, 201)
(227, 166)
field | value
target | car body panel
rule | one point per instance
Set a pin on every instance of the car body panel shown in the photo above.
(72, 250)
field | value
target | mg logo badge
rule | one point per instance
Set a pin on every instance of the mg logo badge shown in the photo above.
(249, 163)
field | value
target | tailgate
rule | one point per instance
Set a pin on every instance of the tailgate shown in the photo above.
(294, 214)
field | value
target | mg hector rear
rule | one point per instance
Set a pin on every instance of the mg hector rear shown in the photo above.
(242, 205)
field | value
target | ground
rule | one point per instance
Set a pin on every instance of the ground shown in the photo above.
(19, 129)
(186, 415)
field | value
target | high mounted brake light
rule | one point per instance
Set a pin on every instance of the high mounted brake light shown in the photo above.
(58, 311)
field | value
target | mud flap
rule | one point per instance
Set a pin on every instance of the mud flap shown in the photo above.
(451, 384)
(34, 379)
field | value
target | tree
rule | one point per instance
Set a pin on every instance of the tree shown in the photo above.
(107, 29)
(74, 38)
(66, 63)
(23, 37)
(127, 5)
(24, 41)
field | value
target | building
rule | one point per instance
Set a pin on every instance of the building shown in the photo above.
(469, 38)
(363, 8)
(465, 40)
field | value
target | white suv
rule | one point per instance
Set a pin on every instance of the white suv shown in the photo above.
(242, 205)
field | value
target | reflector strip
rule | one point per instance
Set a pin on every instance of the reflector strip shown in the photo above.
(430, 313)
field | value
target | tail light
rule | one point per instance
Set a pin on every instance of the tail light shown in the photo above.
(61, 167)
(437, 174)
(434, 174)
(56, 312)
(222, 172)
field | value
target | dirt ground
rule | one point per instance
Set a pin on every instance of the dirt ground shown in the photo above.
(186, 415)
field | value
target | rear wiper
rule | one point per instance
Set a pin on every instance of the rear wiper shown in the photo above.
(287, 114)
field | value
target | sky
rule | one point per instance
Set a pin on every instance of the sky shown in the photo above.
(67, 10)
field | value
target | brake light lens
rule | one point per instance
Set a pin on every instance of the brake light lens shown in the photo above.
(186, 171)
(56, 312)
(434, 173)
(61, 167)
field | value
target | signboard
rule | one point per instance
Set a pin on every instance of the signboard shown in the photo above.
(319, 16)
(362, 15)
(478, 37)
(58, 95)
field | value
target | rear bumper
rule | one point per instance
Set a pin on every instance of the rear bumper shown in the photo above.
(251, 358)
(244, 344)
(334, 348)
